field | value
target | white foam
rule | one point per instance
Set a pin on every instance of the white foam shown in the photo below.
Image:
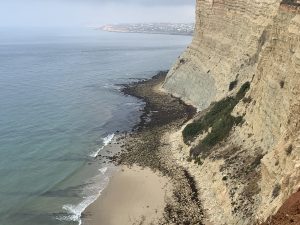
(103, 170)
(112, 87)
(75, 211)
(96, 153)
(106, 141)
(133, 103)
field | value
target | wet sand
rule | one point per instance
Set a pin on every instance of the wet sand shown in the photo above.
(133, 196)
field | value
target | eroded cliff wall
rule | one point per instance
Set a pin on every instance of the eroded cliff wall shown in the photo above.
(249, 175)
(228, 39)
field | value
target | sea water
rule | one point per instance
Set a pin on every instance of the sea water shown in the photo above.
(60, 105)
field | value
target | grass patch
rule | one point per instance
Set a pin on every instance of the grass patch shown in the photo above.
(219, 119)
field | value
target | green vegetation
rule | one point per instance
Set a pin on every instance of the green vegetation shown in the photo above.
(182, 61)
(198, 161)
(247, 100)
(233, 85)
(189, 159)
(289, 150)
(290, 2)
(219, 119)
(281, 83)
(242, 92)
(276, 190)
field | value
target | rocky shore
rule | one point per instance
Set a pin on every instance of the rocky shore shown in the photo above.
(241, 71)
(145, 147)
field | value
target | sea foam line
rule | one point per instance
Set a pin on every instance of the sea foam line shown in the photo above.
(106, 141)
(103, 170)
(75, 211)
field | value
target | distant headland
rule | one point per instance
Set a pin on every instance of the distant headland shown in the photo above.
(151, 28)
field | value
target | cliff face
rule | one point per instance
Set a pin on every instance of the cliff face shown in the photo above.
(228, 39)
(249, 175)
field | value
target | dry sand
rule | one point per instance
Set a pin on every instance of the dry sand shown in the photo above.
(133, 196)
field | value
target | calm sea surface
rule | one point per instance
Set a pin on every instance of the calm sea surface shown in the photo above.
(59, 105)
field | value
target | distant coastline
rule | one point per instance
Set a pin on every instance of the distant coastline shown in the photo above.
(151, 28)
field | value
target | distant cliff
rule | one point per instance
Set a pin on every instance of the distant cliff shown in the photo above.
(247, 174)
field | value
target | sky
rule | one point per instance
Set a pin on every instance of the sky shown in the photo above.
(83, 13)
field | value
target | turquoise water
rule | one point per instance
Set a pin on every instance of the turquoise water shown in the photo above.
(59, 100)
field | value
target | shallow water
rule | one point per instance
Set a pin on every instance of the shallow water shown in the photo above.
(60, 105)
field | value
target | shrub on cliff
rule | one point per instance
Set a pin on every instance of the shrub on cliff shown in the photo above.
(276, 190)
(232, 85)
(243, 90)
(219, 119)
(290, 2)
(217, 112)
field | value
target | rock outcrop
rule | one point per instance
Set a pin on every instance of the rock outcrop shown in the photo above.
(248, 176)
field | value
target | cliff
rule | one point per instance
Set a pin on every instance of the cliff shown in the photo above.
(244, 176)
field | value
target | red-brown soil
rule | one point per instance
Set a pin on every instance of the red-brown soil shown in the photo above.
(289, 213)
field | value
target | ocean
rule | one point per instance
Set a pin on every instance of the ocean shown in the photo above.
(60, 106)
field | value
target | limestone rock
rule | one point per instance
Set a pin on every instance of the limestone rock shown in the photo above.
(256, 41)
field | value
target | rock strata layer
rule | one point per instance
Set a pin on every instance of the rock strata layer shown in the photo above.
(248, 176)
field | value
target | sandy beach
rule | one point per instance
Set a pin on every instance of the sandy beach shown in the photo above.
(133, 196)
(150, 187)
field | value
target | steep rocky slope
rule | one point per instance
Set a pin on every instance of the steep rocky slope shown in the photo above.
(246, 175)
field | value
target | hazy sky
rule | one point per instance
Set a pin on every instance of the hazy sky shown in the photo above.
(92, 12)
